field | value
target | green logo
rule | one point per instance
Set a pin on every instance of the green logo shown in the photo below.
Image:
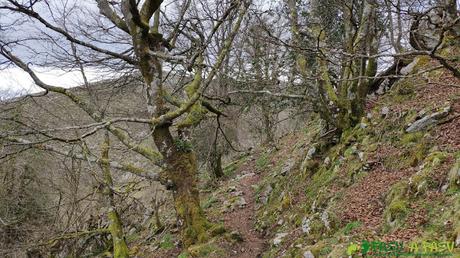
(352, 249)
(393, 248)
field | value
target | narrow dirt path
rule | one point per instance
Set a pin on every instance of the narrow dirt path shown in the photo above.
(243, 219)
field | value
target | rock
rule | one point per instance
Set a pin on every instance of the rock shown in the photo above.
(308, 254)
(361, 156)
(428, 120)
(280, 222)
(231, 189)
(325, 220)
(409, 68)
(306, 225)
(327, 161)
(385, 111)
(363, 125)
(367, 166)
(266, 194)
(311, 152)
(279, 238)
(227, 206)
(287, 167)
(422, 113)
(241, 202)
(246, 175)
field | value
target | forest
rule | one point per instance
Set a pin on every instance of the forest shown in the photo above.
(234, 128)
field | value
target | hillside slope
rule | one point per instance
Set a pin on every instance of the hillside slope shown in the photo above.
(394, 177)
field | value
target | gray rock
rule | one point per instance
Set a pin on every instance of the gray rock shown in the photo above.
(308, 254)
(385, 111)
(246, 175)
(409, 68)
(266, 194)
(279, 238)
(325, 220)
(311, 152)
(306, 225)
(361, 156)
(242, 202)
(327, 161)
(231, 189)
(287, 167)
(428, 120)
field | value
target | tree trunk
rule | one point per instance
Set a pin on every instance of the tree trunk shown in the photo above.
(120, 249)
(181, 177)
(216, 164)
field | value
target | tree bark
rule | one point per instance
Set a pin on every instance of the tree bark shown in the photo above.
(181, 176)
(120, 248)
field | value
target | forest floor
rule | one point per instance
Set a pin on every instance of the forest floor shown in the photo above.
(236, 208)
(242, 220)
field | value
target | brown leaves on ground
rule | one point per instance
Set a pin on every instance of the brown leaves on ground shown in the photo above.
(365, 200)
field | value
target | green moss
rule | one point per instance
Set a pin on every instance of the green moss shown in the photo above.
(262, 161)
(436, 158)
(217, 229)
(184, 255)
(351, 226)
(209, 202)
(398, 208)
(231, 168)
(205, 250)
(286, 201)
(183, 145)
(167, 242)
(398, 191)
(411, 138)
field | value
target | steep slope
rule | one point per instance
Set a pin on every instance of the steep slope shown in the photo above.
(390, 186)
(394, 177)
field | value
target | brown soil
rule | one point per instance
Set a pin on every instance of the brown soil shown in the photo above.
(243, 219)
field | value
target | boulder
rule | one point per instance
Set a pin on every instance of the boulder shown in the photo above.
(428, 120)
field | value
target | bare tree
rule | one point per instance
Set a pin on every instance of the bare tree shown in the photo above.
(126, 37)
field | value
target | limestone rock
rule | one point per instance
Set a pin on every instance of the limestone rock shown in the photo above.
(279, 238)
(287, 167)
(308, 254)
(242, 202)
(266, 194)
(428, 120)
(306, 225)
(385, 111)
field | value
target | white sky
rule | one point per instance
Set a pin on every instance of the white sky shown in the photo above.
(15, 81)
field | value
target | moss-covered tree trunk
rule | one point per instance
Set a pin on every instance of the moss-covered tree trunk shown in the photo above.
(181, 177)
(120, 248)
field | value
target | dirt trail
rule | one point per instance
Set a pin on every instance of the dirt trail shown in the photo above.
(243, 219)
